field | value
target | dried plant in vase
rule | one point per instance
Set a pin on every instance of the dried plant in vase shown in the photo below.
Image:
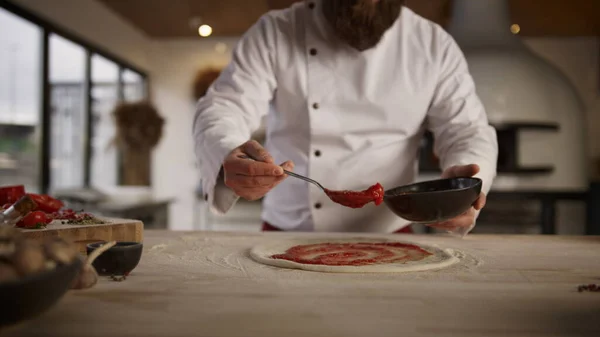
(204, 78)
(139, 129)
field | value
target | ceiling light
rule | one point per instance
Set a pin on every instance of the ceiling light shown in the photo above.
(205, 30)
(515, 28)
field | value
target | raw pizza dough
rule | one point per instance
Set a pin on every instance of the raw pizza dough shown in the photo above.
(439, 259)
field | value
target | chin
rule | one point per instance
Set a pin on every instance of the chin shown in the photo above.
(365, 46)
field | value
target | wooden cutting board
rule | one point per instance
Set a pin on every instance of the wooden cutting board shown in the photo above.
(112, 229)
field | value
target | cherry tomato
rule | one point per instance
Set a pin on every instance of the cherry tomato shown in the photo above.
(11, 194)
(34, 219)
(46, 203)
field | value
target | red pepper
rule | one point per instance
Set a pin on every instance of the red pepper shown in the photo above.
(36, 219)
(46, 203)
(11, 194)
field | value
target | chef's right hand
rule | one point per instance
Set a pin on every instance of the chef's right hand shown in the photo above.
(252, 179)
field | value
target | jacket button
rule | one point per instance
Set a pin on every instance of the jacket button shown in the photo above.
(317, 153)
(318, 205)
(315, 105)
(311, 5)
(313, 51)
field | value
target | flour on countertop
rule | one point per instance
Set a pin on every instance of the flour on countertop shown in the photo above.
(202, 257)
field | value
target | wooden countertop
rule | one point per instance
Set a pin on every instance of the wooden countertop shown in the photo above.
(204, 284)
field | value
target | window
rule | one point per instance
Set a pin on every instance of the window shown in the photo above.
(57, 94)
(67, 73)
(133, 86)
(20, 101)
(105, 96)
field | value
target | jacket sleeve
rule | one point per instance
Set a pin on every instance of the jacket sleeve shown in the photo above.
(232, 109)
(458, 120)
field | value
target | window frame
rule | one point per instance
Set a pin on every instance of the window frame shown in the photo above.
(48, 28)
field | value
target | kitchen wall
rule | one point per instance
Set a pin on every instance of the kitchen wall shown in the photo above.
(174, 65)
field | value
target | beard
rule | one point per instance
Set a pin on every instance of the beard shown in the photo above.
(361, 23)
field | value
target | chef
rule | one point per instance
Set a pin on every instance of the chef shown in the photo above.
(348, 88)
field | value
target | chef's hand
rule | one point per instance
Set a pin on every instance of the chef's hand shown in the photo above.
(464, 222)
(252, 179)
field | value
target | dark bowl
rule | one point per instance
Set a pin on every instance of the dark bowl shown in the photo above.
(32, 295)
(119, 260)
(434, 200)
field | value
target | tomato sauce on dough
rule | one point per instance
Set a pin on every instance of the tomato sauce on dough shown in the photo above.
(354, 254)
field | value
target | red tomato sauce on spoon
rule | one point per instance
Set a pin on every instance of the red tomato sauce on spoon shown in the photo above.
(357, 199)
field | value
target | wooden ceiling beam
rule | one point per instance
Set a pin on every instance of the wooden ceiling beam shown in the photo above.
(162, 19)
(557, 17)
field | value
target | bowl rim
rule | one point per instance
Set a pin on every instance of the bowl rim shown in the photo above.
(119, 246)
(477, 182)
(77, 263)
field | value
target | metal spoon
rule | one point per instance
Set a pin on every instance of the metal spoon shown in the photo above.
(334, 196)
(295, 175)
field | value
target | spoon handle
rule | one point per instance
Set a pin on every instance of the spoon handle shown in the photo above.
(295, 175)
(304, 178)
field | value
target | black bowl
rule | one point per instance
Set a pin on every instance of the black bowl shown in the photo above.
(34, 294)
(434, 200)
(119, 260)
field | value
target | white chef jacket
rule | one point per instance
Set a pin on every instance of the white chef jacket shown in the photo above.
(347, 119)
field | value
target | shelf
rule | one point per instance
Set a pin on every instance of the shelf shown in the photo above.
(538, 194)
(430, 171)
(527, 170)
(520, 170)
(529, 126)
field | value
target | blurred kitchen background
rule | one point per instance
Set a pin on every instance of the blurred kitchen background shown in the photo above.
(66, 66)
